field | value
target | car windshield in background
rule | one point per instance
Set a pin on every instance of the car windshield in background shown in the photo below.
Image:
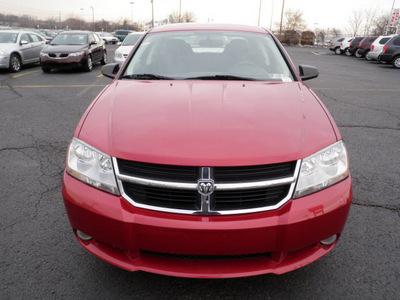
(208, 55)
(70, 39)
(8, 37)
(131, 39)
(105, 34)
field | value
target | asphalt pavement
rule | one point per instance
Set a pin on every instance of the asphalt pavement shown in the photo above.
(40, 257)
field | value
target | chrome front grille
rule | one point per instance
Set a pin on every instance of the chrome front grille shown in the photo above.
(206, 190)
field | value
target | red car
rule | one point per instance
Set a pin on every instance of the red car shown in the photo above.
(207, 157)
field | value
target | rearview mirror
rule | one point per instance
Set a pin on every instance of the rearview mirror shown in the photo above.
(110, 70)
(308, 72)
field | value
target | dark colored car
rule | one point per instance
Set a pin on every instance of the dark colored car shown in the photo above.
(391, 52)
(73, 49)
(207, 159)
(121, 34)
(354, 45)
(365, 47)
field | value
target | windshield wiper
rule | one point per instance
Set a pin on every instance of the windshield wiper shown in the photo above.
(147, 76)
(221, 77)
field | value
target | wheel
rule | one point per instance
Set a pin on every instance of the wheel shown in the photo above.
(105, 42)
(46, 69)
(337, 51)
(89, 64)
(104, 60)
(367, 57)
(347, 52)
(396, 62)
(358, 54)
(15, 63)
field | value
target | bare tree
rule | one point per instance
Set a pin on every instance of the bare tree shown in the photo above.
(355, 22)
(379, 24)
(369, 16)
(336, 32)
(294, 20)
(174, 17)
(189, 17)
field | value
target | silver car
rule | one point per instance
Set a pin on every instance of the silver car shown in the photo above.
(377, 46)
(127, 45)
(18, 48)
(335, 45)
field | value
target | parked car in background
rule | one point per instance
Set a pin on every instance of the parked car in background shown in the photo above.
(391, 52)
(48, 34)
(107, 37)
(377, 46)
(208, 159)
(122, 33)
(335, 45)
(354, 45)
(345, 44)
(126, 46)
(365, 47)
(18, 48)
(73, 49)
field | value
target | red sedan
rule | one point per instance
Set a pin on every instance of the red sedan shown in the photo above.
(207, 157)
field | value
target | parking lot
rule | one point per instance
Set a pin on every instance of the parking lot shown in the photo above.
(41, 258)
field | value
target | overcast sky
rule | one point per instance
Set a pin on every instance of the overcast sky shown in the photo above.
(317, 13)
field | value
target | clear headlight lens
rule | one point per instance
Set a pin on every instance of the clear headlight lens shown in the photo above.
(322, 169)
(91, 166)
(118, 54)
(77, 53)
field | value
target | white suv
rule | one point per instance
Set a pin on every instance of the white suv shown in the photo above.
(345, 45)
(377, 46)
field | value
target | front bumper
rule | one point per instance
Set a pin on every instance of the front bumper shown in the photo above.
(4, 62)
(63, 62)
(276, 241)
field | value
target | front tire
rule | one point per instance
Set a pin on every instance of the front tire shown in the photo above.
(347, 52)
(357, 54)
(396, 62)
(89, 64)
(46, 70)
(15, 63)
(337, 51)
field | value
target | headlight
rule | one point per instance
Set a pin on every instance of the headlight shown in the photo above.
(77, 53)
(118, 54)
(322, 169)
(43, 54)
(91, 166)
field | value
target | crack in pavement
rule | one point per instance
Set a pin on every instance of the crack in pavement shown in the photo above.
(368, 127)
(7, 84)
(387, 207)
(363, 106)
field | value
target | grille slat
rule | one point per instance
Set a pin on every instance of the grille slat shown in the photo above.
(176, 198)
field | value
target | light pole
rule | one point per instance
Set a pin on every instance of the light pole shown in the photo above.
(180, 10)
(152, 14)
(93, 17)
(132, 12)
(259, 13)
(82, 18)
(272, 14)
(280, 27)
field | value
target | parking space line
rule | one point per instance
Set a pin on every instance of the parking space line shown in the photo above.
(101, 75)
(23, 74)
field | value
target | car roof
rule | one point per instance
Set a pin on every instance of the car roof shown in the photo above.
(208, 26)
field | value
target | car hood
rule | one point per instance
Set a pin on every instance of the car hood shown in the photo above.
(8, 46)
(210, 123)
(63, 48)
(125, 49)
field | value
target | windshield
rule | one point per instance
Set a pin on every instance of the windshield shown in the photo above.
(8, 37)
(70, 39)
(208, 55)
(104, 34)
(131, 39)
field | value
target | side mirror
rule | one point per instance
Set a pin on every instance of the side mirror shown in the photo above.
(93, 43)
(23, 43)
(308, 72)
(119, 44)
(47, 42)
(110, 70)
